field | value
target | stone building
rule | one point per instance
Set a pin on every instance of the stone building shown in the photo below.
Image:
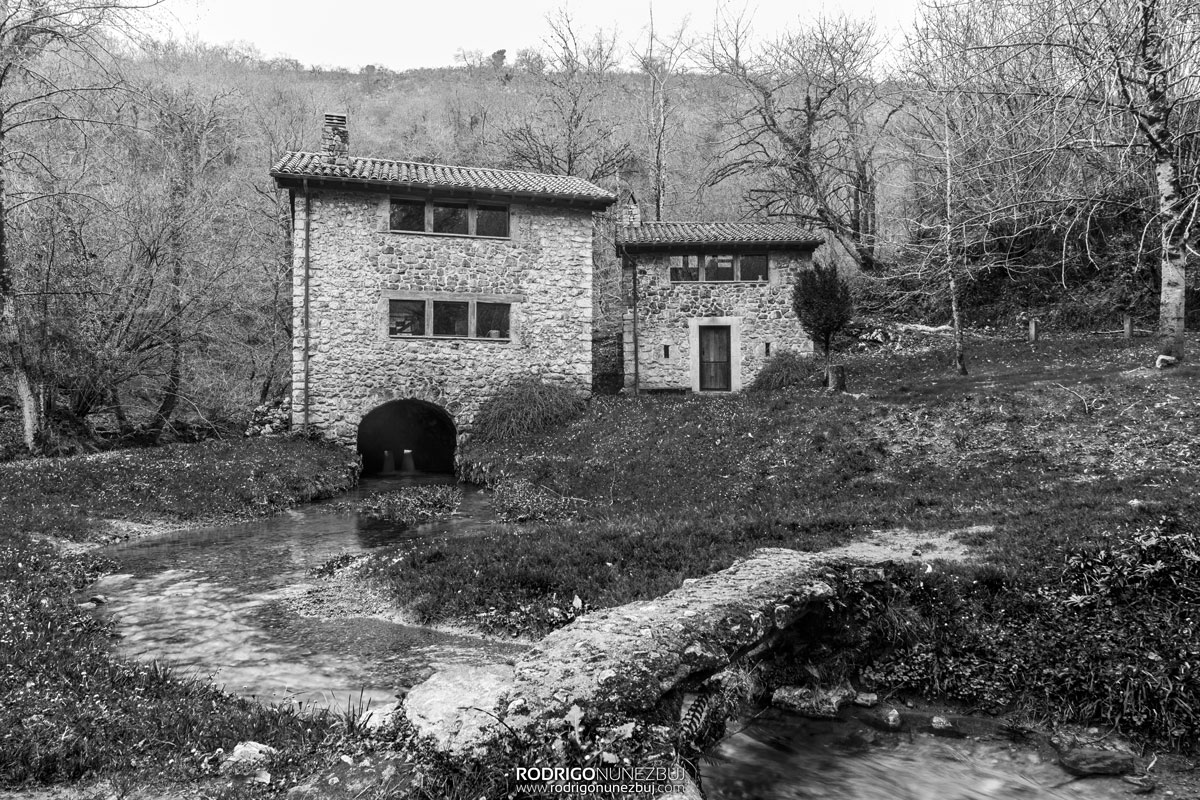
(420, 288)
(708, 302)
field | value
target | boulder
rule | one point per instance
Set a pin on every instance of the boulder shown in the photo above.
(1084, 761)
(457, 706)
(249, 761)
(374, 720)
(944, 726)
(815, 703)
(883, 719)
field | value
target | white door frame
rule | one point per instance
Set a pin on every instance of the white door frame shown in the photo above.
(735, 349)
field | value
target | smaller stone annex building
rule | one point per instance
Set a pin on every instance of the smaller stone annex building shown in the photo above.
(420, 288)
(708, 302)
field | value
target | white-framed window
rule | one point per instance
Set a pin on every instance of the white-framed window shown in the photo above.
(447, 316)
(740, 268)
(453, 217)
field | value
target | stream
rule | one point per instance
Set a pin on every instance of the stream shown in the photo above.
(783, 756)
(213, 602)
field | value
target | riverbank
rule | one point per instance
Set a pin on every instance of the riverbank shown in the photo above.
(73, 710)
(1067, 466)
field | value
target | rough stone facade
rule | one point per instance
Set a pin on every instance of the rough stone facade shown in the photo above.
(356, 265)
(759, 315)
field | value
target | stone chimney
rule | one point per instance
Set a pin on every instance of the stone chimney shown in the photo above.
(335, 141)
(631, 215)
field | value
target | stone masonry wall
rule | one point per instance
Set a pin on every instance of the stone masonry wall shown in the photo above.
(763, 312)
(355, 262)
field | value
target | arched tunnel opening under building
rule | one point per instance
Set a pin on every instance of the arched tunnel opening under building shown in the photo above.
(425, 429)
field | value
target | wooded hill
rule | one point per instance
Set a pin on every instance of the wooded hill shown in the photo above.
(145, 265)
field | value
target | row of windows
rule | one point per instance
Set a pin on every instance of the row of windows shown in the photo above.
(442, 216)
(747, 268)
(466, 318)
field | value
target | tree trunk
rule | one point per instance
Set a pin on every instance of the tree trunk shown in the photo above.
(835, 378)
(10, 332)
(123, 424)
(1172, 209)
(960, 360)
(177, 249)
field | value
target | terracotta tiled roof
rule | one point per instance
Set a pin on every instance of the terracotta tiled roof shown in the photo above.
(649, 234)
(410, 173)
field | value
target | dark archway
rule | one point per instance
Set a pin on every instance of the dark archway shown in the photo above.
(422, 427)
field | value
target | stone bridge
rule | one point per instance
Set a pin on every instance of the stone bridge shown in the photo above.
(623, 661)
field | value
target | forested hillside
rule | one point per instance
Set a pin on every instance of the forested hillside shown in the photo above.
(145, 264)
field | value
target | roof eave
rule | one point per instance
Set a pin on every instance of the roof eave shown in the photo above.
(292, 180)
(740, 245)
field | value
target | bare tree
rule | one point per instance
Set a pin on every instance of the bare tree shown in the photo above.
(814, 110)
(661, 59)
(1149, 51)
(1090, 95)
(37, 38)
(565, 133)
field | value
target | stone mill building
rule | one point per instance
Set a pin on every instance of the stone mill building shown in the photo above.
(420, 289)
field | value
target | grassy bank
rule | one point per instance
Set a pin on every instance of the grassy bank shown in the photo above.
(1050, 455)
(76, 497)
(664, 488)
(72, 709)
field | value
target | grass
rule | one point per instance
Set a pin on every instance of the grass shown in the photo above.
(72, 708)
(72, 497)
(673, 487)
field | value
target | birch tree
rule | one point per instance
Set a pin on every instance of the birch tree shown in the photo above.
(661, 58)
(1148, 54)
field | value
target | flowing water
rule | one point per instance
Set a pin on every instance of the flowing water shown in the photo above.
(212, 601)
(782, 756)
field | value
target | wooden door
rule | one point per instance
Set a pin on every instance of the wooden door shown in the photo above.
(716, 367)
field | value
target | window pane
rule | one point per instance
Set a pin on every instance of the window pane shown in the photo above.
(718, 268)
(688, 269)
(406, 318)
(449, 218)
(449, 319)
(408, 215)
(754, 268)
(491, 320)
(491, 221)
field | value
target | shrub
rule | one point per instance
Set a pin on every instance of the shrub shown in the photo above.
(1113, 640)
(823, 303)
(786, 369)
(412, 505)
(526, 407)
(519, 500)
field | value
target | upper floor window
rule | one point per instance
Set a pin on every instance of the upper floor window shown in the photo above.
(472, 318)
(461, 218)
(744, 268)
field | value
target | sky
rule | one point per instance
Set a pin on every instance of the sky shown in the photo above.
(407, 34)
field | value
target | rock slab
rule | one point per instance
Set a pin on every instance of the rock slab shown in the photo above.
(1084, 761)
(458, 706)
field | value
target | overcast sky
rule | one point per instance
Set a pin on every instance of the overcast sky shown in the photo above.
(402, 34)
